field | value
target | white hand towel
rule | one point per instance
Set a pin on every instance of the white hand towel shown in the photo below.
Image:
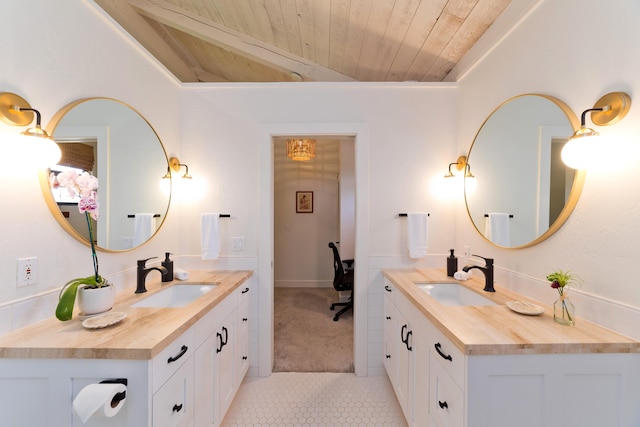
(497, 228)
(144, 225)
(210, 239)
(417, 234)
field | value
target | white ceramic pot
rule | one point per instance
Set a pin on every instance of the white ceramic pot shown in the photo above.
(95, 300)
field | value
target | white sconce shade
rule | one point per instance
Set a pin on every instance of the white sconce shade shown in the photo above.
(586, 149)
(34, 147)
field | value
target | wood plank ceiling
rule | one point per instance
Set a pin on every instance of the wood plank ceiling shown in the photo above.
(306, 40)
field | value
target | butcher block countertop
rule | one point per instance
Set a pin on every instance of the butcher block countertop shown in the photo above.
(141, 335)
(496, 330)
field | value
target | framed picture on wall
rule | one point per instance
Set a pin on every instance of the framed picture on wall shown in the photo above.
(304, 201)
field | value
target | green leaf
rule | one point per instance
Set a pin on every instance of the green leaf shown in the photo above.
(67, 299)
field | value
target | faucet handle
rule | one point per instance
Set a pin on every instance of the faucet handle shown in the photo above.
(489, 261)
(143, 262)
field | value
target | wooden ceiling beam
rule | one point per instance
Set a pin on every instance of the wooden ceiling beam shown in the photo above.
(140, 29)
(229, 39)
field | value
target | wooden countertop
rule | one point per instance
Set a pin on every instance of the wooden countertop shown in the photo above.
(493, 330)
(141, 335)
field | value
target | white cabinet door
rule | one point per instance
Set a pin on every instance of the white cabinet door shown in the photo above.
(224, 363)
(205, 413)
(173, 403)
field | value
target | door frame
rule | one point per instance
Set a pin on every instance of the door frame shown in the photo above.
(266, 250)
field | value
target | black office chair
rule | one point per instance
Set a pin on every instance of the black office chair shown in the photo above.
(342, 281)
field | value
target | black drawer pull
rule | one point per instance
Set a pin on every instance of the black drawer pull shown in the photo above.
(244, 357)
(443, 404)
(219, 338)
(388, 317)
(387, 288)
(388, 356)
(177, 408)
(183, 350)
(448, 357)
(244, 319)
(409, 334)
(245, 290)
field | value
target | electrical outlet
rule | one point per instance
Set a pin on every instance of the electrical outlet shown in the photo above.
(237, 243)
(27, 271)
(467, 252)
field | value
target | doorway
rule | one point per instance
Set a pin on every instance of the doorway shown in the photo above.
(306, 339)
(360, 132)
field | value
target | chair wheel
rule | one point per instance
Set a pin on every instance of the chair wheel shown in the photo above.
(332, 307)
(335, 318)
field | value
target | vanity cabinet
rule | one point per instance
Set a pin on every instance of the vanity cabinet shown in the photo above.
(403, 348)
(190, 382)
(222, 357)
(448, 388)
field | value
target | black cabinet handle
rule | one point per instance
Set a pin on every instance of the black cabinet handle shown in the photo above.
(404, 328)
(387, 288)
(409, 334)
(226, 336)
(244, 357)
(245, 290)
(177, 408)
(220, 343)
(443, 404)
(388, 356)
(183, 350)
(388, 317)
(244, 319)
(448, 357)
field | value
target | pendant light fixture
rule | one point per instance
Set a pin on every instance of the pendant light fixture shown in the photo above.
(301, 149)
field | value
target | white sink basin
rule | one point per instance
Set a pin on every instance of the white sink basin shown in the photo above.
(454, 294)
(176, 295)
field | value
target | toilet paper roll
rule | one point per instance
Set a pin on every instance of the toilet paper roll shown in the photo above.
(98, 400)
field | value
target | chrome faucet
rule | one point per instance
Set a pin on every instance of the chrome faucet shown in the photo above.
(143, 272)
(487, 270)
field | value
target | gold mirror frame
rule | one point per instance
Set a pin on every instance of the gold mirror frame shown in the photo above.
(46, 188)
(578, 180)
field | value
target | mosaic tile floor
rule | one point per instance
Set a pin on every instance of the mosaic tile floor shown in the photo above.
(288, 399)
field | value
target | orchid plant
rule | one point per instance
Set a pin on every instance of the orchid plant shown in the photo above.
(85, 187)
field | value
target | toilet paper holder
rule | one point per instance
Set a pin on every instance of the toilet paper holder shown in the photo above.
(118, 396)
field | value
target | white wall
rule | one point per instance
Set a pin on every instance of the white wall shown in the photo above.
(575, 50)
(60, 52)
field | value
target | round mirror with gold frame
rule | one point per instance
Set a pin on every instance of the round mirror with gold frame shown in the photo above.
(521, 181)
(113, 142)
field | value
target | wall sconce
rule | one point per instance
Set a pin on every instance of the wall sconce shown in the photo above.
(453, 186)
(36, 146)
(174, 165)
(584, 148)
(301, 149)
(461, 163)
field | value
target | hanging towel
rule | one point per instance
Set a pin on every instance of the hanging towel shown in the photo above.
(210, 239)
(144, 225)
(497, 228)
(417, 234)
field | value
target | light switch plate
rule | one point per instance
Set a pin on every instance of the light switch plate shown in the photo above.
(237, 243)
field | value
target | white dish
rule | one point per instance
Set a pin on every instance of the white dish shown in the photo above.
(104, 320)
(525, 308)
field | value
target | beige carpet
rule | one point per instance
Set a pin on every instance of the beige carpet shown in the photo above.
(306, 339)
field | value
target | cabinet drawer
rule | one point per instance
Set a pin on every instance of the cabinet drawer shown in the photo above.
(448, 355)
(446, 400)
(173, 402)
(167, 362)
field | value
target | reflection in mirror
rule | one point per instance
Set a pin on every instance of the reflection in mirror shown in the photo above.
(519, 173)
(110, 140)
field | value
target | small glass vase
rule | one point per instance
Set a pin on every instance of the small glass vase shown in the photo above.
(564, 312)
